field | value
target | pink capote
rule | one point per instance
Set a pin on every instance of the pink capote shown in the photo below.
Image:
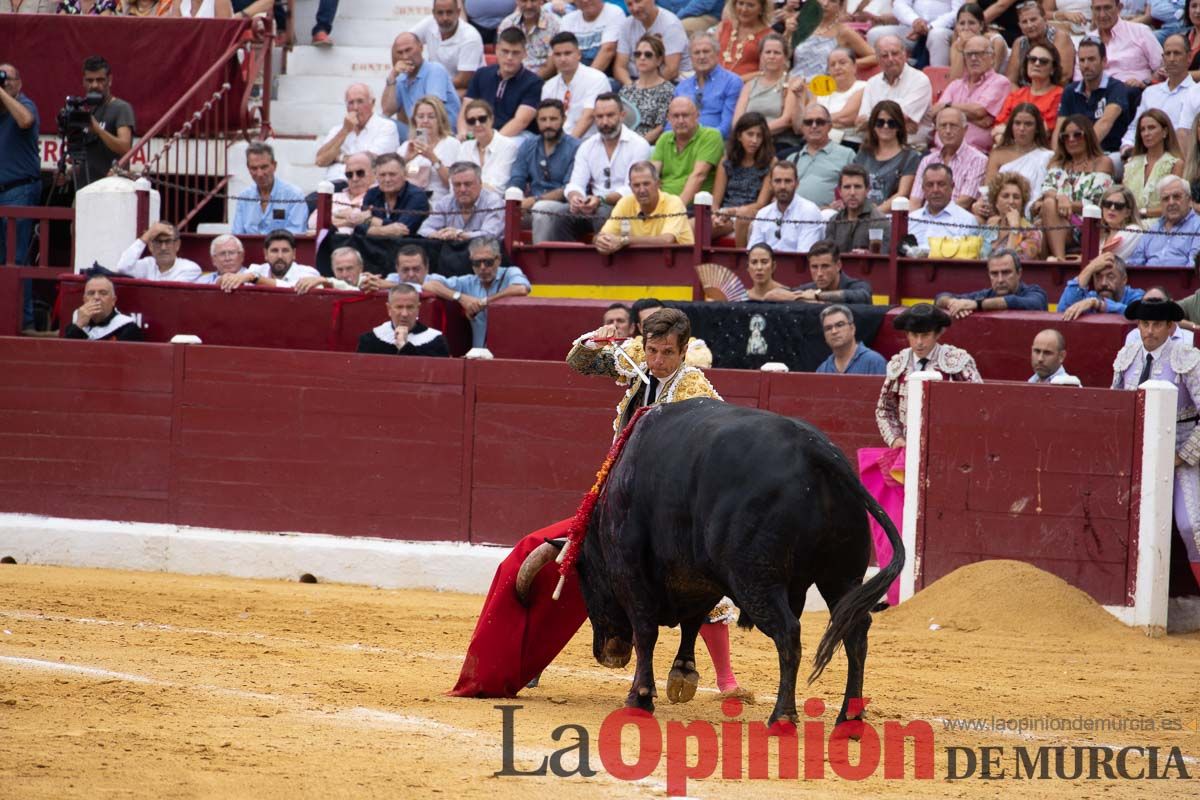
(881, 470)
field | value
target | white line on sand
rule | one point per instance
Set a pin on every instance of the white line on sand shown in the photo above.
(357, 716)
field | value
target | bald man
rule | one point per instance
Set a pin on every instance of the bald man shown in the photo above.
(411, 78)
(361, 131)
(1047, 357)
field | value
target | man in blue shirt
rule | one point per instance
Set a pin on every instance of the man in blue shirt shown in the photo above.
(543, 165)
(1099, 97)
(850, 357)
(512, 90)
(489, 284)
(20, 170)
(1008, 292)
(269, 204)
(411, 78)
(1112, 292)
(714, 89)
(1174, 239)
(397, 207)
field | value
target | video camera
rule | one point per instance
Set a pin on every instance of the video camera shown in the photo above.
(75, 117)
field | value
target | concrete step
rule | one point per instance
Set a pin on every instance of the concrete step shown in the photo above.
(301, 152)
(409, 11)
(369, 64)
(306, 119)
(373, 31)
(323, 88)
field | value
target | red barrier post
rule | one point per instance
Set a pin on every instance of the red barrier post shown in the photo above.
(1089, 244)
(702, 238)
(899, 231)
(512, 219)
(324, 206)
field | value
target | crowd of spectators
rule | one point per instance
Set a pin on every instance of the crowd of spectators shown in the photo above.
(612, 118)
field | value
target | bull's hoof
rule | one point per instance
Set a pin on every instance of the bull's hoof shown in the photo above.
(783, 717)
(681, 684)
(739, 693)
(616, 654)
(642, 698)
(850, 728)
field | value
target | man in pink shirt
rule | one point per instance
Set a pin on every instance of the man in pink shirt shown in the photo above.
(979, 94)
(968, 164)
(1134, 54)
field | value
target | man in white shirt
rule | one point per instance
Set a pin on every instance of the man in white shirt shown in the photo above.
(897, 81)
(931, 20)
(163, 263)
(1177, 96)
(600, 177)
(939, 216)
(281, 268)
(361, 131)
(791, 224)
(575, 85)
(1047, 355)
(228, 259)
(491, 150)
(451, 41)
(596, 25)
(645, 17)
(347, 266)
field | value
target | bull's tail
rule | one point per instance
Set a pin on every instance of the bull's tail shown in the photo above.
(855, 606)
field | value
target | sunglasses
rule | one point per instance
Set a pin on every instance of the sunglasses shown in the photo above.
(356, 173)
(1041, 61)
(815, 123)
(1114, 205)
(643, 54)
(975, 53)
(1071, 136)
(477, 120)
(483, 262)
(887, 123)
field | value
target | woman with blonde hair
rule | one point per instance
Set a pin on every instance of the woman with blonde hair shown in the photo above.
(1008, 194)
(1191, 167)
(767, 93)
(740, 35)
(431, 147)
(1156, 155)
(1120, 223)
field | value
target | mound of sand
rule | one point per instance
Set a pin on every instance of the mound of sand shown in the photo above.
(1007, 598)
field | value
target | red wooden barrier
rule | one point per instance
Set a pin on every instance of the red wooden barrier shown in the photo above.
(281, 440)
(1052, 487)
(262, 317)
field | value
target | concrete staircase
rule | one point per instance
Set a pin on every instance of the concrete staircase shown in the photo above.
(308, 99)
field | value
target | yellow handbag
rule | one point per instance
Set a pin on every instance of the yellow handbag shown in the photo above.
(955, 246)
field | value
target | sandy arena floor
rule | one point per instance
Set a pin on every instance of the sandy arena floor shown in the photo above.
(116, 684)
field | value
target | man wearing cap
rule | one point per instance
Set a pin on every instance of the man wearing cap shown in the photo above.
(1155, 356)
(923, 323)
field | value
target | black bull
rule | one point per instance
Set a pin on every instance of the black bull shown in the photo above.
(708, 500)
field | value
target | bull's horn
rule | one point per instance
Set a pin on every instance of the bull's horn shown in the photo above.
(542, 555)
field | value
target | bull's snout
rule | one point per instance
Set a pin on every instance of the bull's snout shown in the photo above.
(616, 653)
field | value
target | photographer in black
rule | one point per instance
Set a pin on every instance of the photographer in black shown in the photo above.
(110, 130)
(20, 169)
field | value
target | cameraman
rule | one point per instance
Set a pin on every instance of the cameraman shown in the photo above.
(20, 169)
(111, 134)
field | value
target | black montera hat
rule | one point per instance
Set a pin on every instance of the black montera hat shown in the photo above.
(1162, 310)
(922, 318)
